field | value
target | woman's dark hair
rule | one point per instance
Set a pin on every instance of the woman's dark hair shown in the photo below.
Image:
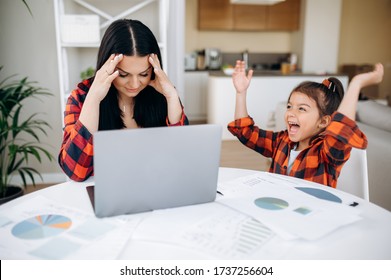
(327, 95)
(131, 38)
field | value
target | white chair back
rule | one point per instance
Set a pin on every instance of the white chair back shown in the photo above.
(354, 175)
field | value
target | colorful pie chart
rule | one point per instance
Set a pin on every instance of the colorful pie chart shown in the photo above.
(271, 203)
(41, 226)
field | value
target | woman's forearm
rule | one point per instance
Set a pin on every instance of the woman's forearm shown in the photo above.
(174, 109)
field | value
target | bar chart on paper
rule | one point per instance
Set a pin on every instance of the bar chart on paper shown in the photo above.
(229, 235)
(41, 226)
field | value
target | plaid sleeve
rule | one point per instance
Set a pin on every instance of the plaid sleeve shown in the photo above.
(76, 152)
(262, 141)
(182, 121)
(341, 135)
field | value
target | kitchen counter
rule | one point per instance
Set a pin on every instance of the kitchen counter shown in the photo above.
(265, 92)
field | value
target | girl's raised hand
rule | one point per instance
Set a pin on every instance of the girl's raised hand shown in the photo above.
(161, 82)
(239, 78)
(348, 105)
(370, 78)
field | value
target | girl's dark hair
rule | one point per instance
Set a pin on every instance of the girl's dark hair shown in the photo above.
(131, 38)
(327, 95)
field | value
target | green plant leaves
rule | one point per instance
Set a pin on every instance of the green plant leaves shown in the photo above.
(15, 150)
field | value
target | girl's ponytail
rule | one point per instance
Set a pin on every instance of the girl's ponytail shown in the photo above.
(334, 93)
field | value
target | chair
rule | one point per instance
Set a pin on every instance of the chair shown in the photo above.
(354, 175)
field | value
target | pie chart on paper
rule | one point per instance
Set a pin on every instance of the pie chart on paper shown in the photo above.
(41, 226)
(271, 203)
(321, 194)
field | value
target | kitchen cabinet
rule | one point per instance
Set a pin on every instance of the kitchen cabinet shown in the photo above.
(222, 15)
(250, 17)
(196, 84)
(284, 16)
(215, 15)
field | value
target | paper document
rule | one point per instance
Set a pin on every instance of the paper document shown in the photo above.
(43, 229)
(214, 229)
(289, 207)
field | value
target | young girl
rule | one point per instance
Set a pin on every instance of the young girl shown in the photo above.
(320, 127)
(129, 90)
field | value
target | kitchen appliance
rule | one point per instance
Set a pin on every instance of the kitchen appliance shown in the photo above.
(201, 60)
(213, 58)
(191, 61)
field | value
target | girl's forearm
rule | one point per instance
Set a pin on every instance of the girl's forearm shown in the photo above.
(348, 104)
(241, 106)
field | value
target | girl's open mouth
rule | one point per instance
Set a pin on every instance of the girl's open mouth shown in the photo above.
(293, 127)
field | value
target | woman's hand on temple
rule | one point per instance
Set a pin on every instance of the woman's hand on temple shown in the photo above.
(105, 76)
(161, 82)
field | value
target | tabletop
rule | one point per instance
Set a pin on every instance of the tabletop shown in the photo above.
(258, 215)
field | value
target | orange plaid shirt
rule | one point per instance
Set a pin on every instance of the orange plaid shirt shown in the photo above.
(76, 152)
(321, 162)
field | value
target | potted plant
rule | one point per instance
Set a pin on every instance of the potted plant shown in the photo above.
(19, 138)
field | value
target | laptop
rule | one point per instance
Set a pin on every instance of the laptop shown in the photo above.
(139, 170)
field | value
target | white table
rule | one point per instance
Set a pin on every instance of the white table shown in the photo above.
(368, 238)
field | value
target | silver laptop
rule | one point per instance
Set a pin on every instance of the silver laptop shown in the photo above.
(138, 170)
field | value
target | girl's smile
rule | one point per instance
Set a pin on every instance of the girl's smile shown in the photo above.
(302, 119)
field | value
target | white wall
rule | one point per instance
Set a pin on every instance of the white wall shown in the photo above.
(365, 36)
(321, 35)
(28, 48)
(297, 37)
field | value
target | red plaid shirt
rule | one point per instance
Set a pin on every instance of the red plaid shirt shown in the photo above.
(321, 162)
(76, 153)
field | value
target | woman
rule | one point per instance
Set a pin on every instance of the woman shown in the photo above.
(129, 90)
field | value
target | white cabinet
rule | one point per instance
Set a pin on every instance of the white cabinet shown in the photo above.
(76, 56)
(195, 95)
